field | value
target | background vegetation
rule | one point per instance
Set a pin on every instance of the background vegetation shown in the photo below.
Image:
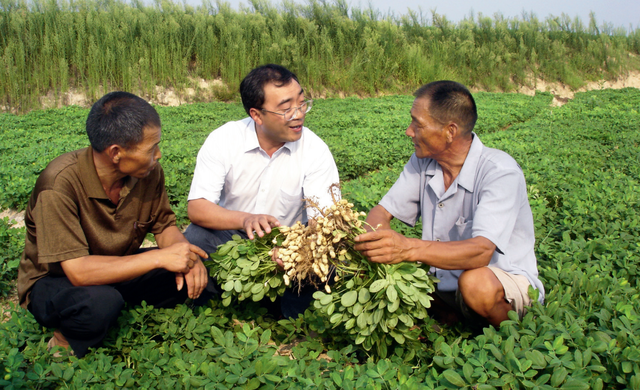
(51, 46)
(582, 164)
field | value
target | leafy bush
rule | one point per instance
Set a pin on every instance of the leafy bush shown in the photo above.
(11, 246)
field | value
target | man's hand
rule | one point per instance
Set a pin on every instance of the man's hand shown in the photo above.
(259, 223)
(179, 257)
(184, 259)
(276, 259)
(383, 246)
(196, 279)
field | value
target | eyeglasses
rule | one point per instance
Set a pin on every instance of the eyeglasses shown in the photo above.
(291, 113)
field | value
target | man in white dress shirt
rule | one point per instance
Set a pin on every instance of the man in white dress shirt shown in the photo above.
(252, 174)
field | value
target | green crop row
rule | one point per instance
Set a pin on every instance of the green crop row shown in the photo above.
(582, 164)
(50, 47)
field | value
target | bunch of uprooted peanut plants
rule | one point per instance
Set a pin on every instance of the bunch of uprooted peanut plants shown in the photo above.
(375, 303)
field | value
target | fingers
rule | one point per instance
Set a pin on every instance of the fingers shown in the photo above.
(261, 224)
(371, 236)
(196, 279)
(276, 259)
(195, 249)
(179, 281)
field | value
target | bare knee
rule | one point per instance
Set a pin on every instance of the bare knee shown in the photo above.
(481, 291)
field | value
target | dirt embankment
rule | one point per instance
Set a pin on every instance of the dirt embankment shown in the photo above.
(199, 90)
(562, 93)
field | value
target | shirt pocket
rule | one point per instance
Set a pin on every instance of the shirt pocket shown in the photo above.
(462, 229)
(290, 207)
(140, 229)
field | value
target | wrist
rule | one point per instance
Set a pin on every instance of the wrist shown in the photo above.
(416, 249)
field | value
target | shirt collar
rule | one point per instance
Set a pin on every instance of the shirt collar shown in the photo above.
(466, 177)
(252, 142)
(89, 175)
(91, 181)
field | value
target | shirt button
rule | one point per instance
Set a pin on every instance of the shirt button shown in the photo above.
(437, 239)
(441, 205)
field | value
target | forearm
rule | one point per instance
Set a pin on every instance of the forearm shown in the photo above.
(209, 215)
(467, 254)
(100, 270)
(378, 216)
(169, 236)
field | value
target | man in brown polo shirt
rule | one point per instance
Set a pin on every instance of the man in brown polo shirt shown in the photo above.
(87, 217)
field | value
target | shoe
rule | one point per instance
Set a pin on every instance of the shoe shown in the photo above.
(58, 340)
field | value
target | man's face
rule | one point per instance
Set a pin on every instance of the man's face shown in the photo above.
(274, 129)
(140, 159)
(429, 135)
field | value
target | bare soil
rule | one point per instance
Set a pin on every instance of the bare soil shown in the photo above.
(562, 93)
(201, 90)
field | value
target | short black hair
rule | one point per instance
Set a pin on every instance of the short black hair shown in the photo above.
(450, 101)
(119, 118)
(252, 86)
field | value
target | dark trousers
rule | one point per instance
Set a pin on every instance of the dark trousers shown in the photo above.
(85, 314)
(292, 303)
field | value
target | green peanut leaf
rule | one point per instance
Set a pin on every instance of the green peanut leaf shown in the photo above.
(392, 294)
(454, 378)
(326, 299)
(336, 318)
(364, 295)
(378, 285)
(393, 306)
(349, 298)
(256, 288)
(558, 377)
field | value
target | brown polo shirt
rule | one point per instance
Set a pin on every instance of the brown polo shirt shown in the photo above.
(69, 215)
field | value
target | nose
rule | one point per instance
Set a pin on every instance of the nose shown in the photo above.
(409, 132)
(158, 155)
(297, 110)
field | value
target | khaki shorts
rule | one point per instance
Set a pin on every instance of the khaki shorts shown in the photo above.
(516, 293)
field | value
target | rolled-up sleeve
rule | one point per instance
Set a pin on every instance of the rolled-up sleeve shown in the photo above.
(165, 217)
(403, 199)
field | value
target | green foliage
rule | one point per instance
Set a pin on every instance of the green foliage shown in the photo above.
(51, 47)
(244, 269)
(380, 309)
(582, 164)
(11, 246)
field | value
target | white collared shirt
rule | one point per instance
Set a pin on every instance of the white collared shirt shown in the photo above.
(488, 198)
(235, 173)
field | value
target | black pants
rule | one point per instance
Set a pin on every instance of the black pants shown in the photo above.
(292, 303)
(84, 314)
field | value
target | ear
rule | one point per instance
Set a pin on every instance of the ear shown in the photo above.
(453, 131)
(115, 153)
(256, 115)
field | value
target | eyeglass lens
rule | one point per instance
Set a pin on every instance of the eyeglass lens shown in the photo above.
(293, 111)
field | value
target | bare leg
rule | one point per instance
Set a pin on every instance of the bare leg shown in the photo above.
(484, 294)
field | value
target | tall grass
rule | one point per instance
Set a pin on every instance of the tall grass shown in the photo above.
(49, 46)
